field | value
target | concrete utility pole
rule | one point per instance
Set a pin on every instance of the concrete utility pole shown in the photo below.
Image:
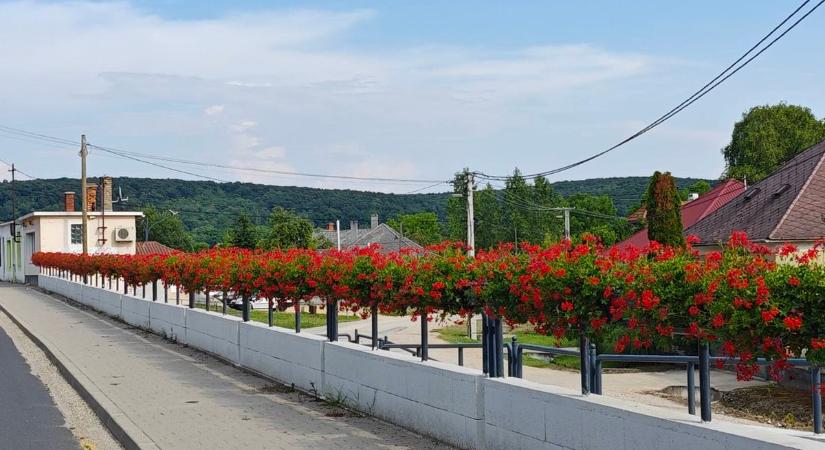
(471, 227)
(84, 152)
(13, 205)
(567, 223)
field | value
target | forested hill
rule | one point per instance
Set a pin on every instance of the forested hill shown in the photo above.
(208, 208)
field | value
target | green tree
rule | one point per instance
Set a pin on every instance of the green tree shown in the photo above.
(287, 230)
(700, 187)
(422, 227)
(545, 224)
(664, 216)
(488, 217)
(767, 137)
(596, 215)
(457, 208)
(243, 234)
(516, 209)
(166, 228)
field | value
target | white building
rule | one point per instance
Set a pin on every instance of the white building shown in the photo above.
(108, 232)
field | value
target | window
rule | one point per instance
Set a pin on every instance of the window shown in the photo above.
(77, 233)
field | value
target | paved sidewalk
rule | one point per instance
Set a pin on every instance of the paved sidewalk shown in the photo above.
(170, 396)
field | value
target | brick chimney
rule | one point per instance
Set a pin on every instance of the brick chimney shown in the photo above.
(330, 226)
(107, 193)
(91, 198)
(374, 221)
(68, 201)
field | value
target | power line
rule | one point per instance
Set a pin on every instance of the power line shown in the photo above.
(708, 87)
(143, 157)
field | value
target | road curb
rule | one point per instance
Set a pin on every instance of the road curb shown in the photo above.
(126, 432)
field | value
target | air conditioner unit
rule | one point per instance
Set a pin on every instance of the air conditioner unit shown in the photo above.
(124, 235)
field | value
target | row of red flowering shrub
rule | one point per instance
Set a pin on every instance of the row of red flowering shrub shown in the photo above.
(740, 299)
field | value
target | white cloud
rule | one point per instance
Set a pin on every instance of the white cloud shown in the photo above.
(117, 71)
(213, 110)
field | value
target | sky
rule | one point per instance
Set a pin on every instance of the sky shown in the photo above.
(413, 90)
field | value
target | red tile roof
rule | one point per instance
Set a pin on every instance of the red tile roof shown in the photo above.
(152, 248)
(695, 210)
(788, 205)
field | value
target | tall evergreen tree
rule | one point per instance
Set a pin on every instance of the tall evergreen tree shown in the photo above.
(664, 216)
(488, 218)
(516, 208)
(244, 234)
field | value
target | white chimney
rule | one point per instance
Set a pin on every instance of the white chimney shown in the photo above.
(374, 221)
(693, 196)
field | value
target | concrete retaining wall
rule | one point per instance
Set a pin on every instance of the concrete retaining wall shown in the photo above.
(214, 333)
(442, 399)
(451, 403)
(168, 321)
(282, 354)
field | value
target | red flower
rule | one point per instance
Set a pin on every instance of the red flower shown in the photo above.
(718, 321)
(793, 281)
(792, 322)
(567, 306)
(693, 310)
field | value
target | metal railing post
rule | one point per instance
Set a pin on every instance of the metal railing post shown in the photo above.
(269, 312)
(332, 325)
(223, 308)
(460, 356)
(374, 321)
(424, 338)
(816, 397)
(485, 350)
(512, 358)
(297, 316)
(704, 381)
(245, 313)
(584, 358)
(691, 384)
(595, 387)
(499, 348)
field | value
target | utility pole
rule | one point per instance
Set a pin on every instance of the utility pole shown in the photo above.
(567, 223)
(471, 227)
(15, 237)
(471, 240)
(84, 152)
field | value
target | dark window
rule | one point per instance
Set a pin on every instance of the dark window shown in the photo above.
(77, 233)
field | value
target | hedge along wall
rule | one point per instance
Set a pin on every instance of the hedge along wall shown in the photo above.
(454, 404)
(740, 298)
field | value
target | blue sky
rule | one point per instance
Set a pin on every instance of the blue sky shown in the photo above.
(391, 89)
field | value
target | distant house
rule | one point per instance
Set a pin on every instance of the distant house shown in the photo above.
(378, 233)
(110, 232)
(787, 206)
(692, 211)
(152, 248)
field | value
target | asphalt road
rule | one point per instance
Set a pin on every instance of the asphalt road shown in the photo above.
(29, 419)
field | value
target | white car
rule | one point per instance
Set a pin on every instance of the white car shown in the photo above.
(254, 303)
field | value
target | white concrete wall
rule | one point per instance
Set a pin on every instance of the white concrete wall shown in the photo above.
(522, 415)
(282, 354)
(443, 401)
(134, 311)
(214, 333)
(451, 403)
(168, 320)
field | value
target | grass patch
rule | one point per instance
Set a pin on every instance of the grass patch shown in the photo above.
(285, 319)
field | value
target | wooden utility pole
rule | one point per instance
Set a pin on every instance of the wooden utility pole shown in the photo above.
(84, 152)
